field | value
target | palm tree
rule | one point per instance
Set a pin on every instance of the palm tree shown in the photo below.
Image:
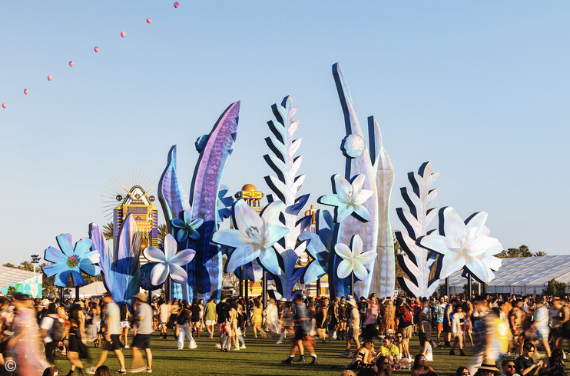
(109, 231)
(162, 232)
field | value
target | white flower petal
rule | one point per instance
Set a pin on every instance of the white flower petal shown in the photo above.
(357, 184)
(362, 196)
(356, 246)
(478, 269)
(246, 217)
(178, 274)
(159, 273)
(182, 258)
(170, 246)
(154, 254)
(330, 200)
(274, 234)
(241, 256)
(436, 243)
(343, 212)
(451, 263)
(366, 257)
(269, 260)
(342, 187)
(343, 251)
(454, 227)
(362, 212)
(271, 212)
(344, 269)
(360, 271)
(232, 238)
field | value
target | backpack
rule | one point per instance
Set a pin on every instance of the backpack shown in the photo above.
(182, 317)
(406, 315)
(56, 330)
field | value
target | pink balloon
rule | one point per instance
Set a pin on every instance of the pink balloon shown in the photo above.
(148, 20)
(26, 91)
(71, 63)
(3, 105)
(96, 49)
(176, 4)
(123, 34)
(49, 77)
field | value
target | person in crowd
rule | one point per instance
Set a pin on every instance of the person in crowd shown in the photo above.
(462, 371)
(342, 318)
(257, 319)
(175, 308)
(420, 367)
(457, 322)
(467, 326)
(525, 364)
(103, 371)
(540, 325)
(201, 305)
(364, 356)
(210, 316)
(302, 329)
(335, 321)
(425, 318)
(125, 314)
(75, 333)
(23, 347)
(321, 319)
(404, 322)
(509, 368)
(425, 347)
(448, 313)
(195, 312)
(272, 318)
(370, 318)
(353, 323)
(184, 329)
(383, 367)
(287, 322)
(487, 368)
(164, 316)
(224, 325)
(51, 329)
(390, 350)
(112, 335)
(555, 365)
(241, 325)
(142, 320)
(439, 312)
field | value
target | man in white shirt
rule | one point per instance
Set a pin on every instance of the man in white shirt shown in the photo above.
(142, 319)
(164, 316)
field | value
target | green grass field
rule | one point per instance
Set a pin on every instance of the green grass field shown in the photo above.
(261, 357)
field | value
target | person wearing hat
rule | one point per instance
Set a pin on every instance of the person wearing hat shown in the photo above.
(142, 320)
(353, 324)
(487, 368)
(112, 335)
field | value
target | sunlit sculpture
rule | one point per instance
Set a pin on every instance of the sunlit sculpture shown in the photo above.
(465, 245)
(285, 186)
(69, 260)
(205, 272)
(354, 261)
(376, 233)
(121, 269)
(318, 246)
(419, 261)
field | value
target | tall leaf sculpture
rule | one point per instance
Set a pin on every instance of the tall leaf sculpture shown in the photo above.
(417, 220)
(121, 269)
(286, 186)
(205, 272)
(379, 176)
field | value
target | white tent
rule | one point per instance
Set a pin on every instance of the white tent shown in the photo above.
(521, 275)
(93, 289)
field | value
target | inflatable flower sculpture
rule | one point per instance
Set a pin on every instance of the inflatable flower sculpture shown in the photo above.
(254, 237)
(71, 260)
(318, 251)
(353, 261)
(168, 262)
(349, 198)
(187, 227)
(465, 245)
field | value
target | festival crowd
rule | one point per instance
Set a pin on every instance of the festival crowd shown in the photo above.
(505, 332)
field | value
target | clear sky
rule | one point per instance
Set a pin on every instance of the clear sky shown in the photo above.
(480, 89)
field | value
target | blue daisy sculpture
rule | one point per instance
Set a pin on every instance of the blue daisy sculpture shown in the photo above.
(69, 260)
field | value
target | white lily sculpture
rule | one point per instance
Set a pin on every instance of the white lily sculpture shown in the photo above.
(254, 237)
(353, 261)
(168, 262)
(349, 198)
(465, 245)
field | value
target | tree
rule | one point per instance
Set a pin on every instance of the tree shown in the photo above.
(108, 231)
(162, 232)
(555, 288)
(522, 251)
(11, 290)
(9, 265)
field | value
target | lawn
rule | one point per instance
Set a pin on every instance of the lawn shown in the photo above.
(261, 357)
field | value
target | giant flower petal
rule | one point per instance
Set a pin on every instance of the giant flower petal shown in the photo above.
(349, 198)
(187, 227)
(353, 260)
(69, 260)
(465, 245)
(168, 262)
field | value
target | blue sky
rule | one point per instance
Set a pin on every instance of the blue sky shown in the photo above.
(480, 89)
